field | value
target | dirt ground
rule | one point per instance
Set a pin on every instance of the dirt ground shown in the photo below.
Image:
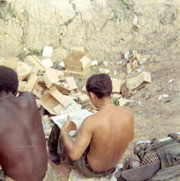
(153, 118)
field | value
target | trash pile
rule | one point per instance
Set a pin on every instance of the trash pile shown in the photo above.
(135, 79)
(56, 91)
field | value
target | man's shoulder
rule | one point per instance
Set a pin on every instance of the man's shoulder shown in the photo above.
(26, 97)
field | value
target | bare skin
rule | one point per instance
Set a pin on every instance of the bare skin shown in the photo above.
(108, 132)
(23, 155)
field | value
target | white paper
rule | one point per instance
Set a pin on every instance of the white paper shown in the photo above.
(77, 117)
(47, 51)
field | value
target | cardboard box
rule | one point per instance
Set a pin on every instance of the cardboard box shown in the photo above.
(50, 77)
(54, 102)
(77, 61)
(136, 81)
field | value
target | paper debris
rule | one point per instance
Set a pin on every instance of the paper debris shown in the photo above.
(123, 102)
(62, 64)
(103, 70)
(47, 51)
(94, 62)
(171, 80)
(135, 21)
(160, 98)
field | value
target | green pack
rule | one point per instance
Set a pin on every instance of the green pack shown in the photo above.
(167, 151)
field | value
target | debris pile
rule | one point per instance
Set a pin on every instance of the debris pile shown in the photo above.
(53, 89)
(56, 90)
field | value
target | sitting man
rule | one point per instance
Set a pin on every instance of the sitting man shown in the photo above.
(103, 136)
(23, 155)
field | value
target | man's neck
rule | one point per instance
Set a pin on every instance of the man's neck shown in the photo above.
(3, 94)
(104, 102)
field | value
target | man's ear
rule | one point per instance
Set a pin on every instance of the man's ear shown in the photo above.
(92, 95)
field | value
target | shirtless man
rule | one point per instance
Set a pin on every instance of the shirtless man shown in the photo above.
(103, 136)
(23, 155)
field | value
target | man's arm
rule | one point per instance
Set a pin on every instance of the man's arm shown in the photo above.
(77, 148)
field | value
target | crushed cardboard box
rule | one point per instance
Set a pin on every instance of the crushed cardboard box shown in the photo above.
(136, 81)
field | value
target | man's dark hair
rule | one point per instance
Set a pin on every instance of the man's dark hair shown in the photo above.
(8, 80)
(100, 85)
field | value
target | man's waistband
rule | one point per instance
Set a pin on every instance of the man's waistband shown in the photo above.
(107, 172)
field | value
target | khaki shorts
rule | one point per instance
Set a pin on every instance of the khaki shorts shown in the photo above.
(82, 164)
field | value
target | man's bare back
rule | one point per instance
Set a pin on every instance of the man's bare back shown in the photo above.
(22, 142)
(103, 137)
(112, 131)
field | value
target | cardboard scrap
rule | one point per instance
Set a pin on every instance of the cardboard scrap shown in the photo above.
(84, 88)
(50, 77)
(138, 80)
(21, 86)
(33, 80)
(123, 102)
(82, 74)
(71, 83)
(35, 62)
(84, 98)
(23, 70)
(60, 87)
(80, 48)
(54, 102)
(38, 103)
(116, 85)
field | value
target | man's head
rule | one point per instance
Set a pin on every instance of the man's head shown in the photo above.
(100, 85)
(8, 80)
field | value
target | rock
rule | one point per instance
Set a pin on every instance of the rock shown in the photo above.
(147, 95)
